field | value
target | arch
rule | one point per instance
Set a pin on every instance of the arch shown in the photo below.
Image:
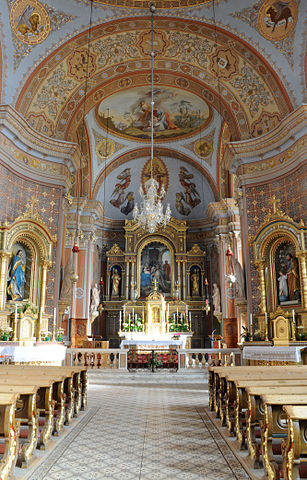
(145, 151)
(194, 67)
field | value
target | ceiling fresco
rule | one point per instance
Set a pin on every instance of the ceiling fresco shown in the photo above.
(223, 70)
(176, 113)
(248, 87)
(188, 192)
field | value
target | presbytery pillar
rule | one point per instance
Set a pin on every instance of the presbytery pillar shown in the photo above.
(127, 279)
(132, 285)
(260, 265)
(184, 287)
(3, 277)
(179, 279)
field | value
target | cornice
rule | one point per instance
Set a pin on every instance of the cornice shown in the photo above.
(238, 153)
(35, 142)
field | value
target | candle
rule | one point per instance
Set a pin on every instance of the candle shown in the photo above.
(133, 312)
(54, 316)
(293, 316)
(135, 316)
(167, 310)
(15, 312)
(177, 311)
(266, 318)
(124, 311)
(190, 320)
(181, 316)
(186, 311)
(251, 319)
(120, 315)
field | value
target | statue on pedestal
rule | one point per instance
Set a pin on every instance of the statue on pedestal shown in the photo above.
(216, 299)
(16, 279)
(94, 303)
(195, 278)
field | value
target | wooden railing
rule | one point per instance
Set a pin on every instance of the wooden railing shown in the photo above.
(116, 358)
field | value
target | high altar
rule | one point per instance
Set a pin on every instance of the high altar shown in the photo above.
(156, 288)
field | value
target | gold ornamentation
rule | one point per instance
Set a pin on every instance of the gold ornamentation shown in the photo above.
(105, 148)
(203, 148)
(196, 250)
(115, 250)
(29, 21)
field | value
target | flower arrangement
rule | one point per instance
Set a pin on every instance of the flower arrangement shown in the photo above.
(5, 333)
(134, 325)
(258, 335)
(23, 308)
(154, 360)
(177, 323)
(246, 335)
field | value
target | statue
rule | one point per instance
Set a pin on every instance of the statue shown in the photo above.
(240, 280)
(293, 277)
(16, 279)
(115, 283)
(283, 287)
(216, 299)
(94, 303)
(66, 288)
(195, 282)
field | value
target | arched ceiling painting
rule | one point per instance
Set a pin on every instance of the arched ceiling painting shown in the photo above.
(215, 64)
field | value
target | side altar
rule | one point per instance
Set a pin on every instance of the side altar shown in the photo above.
(155, 323)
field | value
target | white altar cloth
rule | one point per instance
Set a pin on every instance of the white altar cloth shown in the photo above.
(151, 344)
(281, 354)
(49, 352)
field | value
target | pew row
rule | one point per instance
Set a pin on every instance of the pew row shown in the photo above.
(45, 399)
(250, 402)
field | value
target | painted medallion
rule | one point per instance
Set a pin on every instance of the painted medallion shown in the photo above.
(177, 113)
(277, 19)
(29, 21)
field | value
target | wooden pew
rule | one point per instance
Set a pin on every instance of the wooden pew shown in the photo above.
(294, 449)
(26, 414)
(255, 412)
(272, 427)
(9, 433)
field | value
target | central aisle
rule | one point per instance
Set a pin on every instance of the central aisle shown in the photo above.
(139, 432)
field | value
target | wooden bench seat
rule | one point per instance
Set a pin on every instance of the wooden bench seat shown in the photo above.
(294, 449)
(275, 426)
(9, 433)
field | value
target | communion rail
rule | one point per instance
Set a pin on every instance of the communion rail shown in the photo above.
(117, 358)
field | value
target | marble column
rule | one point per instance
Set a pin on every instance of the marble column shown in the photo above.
(3, 277)
(127, 279)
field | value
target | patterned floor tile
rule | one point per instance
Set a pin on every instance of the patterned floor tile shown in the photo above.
(141, 433)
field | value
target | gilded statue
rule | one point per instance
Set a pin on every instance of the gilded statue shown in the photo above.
(195, 282)
(115, 282)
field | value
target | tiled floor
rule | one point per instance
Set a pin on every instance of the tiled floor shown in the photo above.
(140, 432)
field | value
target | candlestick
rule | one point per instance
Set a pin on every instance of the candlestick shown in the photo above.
(251, 323)
(190, 321)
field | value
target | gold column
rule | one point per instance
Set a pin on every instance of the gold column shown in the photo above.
(42, 298)
(132, 286)
(179, 279)
(302, 257)
(260, 267)
(127, 280)
(184, 280)
(3, 277)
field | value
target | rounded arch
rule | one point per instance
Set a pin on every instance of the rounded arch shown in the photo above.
(197, 67)
(145, 151)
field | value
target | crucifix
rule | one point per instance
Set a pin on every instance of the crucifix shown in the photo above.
(155, 285)
(275, 201)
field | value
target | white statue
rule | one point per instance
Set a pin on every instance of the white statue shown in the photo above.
(94, 303)
(216, 299)
(240, 281)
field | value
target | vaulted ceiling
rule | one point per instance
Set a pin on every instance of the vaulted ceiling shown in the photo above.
(224, 70)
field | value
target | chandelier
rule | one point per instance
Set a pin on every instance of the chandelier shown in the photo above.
(151, 214)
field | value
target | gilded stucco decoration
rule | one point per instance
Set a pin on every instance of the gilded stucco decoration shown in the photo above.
(139, 4)
(275, 20)
(31, 23)
(249, 86)
(203, 147)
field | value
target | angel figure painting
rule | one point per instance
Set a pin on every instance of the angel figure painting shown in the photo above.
(119, 198)
(190, 198)
(176, 113)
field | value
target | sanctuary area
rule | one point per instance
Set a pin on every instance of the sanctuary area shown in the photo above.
(153, 199)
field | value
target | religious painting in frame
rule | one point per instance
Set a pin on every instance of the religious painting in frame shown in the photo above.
(156, 265)
(177, 113)
(287, 274)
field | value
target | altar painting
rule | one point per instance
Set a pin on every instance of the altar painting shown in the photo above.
(156, 265)
(176, 113)
(287, 274)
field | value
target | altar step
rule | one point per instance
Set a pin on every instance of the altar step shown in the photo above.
(188, 378)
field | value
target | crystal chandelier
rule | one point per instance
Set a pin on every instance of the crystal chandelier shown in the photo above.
(151, 214)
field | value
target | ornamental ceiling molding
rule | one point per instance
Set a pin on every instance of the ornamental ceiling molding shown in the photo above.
(249, 72)
(145, 152)
(237, 153)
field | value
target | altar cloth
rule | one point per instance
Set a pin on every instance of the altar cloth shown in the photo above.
(281, 354)
(152, 344)
(50, 352)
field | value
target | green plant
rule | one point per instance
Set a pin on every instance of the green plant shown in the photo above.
(154, 360)
(245, 335)
(5, 333)
(258, 335)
